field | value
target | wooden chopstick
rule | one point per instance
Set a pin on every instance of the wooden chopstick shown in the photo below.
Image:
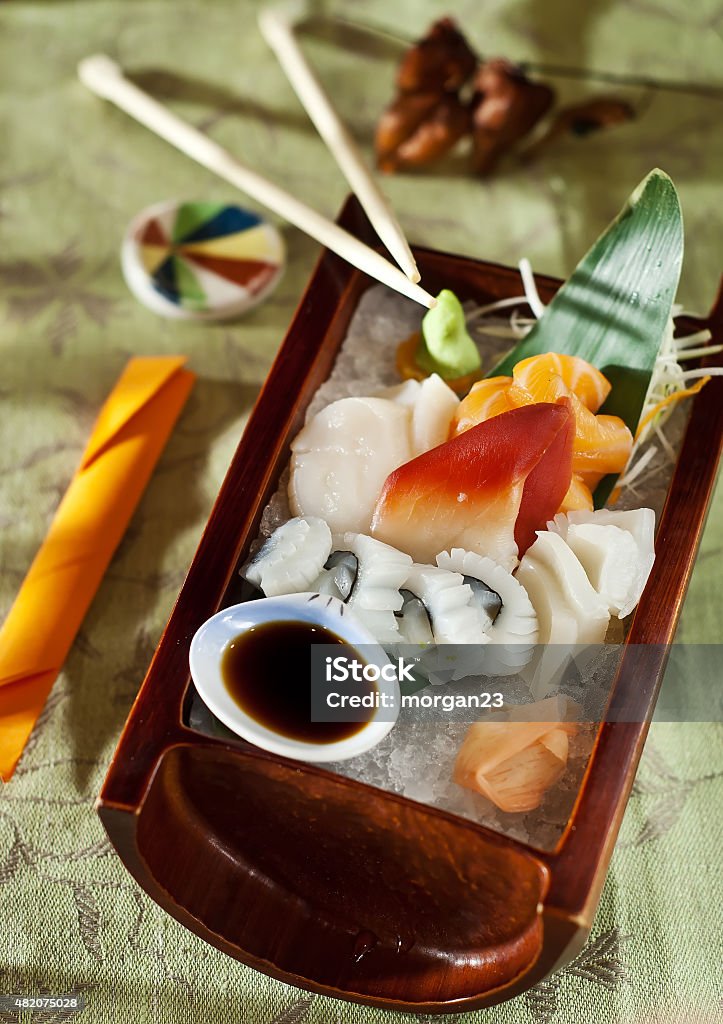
(105, 78)
(278, 31)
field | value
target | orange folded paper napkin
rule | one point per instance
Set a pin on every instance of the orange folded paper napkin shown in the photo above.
(128, 437)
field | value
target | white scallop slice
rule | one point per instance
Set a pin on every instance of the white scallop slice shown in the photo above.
(405, 394)
(292, 557)
(432, 414)
(432, 404)
(342, 457)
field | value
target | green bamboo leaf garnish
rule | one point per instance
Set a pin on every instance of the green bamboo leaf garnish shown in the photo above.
(445, 346)
(613, 309)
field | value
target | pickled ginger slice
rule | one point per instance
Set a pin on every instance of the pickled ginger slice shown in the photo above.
(342, 457)
(291, 559)
(513, 763)
(617, 572)
(485, 490)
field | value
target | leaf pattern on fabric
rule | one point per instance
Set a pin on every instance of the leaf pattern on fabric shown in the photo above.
(59, 286)
(669, 791)
(600, 962)
(294, 1014)
(543, 1000)
(89, 920)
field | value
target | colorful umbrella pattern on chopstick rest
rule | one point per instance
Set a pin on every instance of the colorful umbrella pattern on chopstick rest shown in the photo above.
(201, 260)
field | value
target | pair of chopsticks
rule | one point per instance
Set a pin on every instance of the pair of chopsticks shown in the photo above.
(106, 79)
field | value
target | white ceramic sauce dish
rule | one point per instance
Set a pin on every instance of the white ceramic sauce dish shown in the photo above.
(213, 637)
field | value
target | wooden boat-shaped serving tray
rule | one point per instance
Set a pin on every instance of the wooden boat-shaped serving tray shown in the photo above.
(322, 881)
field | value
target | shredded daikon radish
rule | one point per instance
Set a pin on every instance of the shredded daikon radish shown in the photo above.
(528, 281)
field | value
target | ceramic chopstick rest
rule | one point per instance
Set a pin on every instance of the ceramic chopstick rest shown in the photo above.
(201, 260)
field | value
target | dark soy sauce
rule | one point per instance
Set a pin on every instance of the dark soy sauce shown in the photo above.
(266, 670)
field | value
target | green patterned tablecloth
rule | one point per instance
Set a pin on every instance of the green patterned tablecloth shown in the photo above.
(73, 172)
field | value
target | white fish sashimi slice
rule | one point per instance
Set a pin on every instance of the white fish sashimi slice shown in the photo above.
(448, 600)
(432, 404)
(578, 593)
(292, 557)
(639, 523)
(376, 595)
(342, 457)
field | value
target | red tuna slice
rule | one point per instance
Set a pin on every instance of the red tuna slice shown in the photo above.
(486, 490)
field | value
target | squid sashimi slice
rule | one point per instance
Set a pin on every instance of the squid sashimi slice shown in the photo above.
(606, 557)
(448, 600)
(513, 763)
(609, 556)
(486, 490)
(375, 596)
(557, 625)
(514, 627)
(579, 595)
(342, 457)
(432, 404)
(291, 559)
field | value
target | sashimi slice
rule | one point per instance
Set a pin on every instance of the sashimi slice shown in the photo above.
(602, 443)
(375, 596)
(487, 398)
(609, 556)
(432, 414)
(448, 600)
(639, 523)
(290, 560)
(342, 457)
(432, 405)
(578, 592)
(579, 376)
(485, 490)
(513, 631)
(557, 626)
(578, 497)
